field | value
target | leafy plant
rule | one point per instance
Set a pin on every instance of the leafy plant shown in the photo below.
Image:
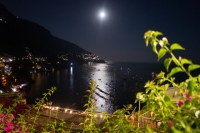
(18, 122)
(180, 115)
(37, 107)
(118, 122)
(89, 124)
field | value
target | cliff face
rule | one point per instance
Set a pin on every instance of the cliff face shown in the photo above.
(17, 35)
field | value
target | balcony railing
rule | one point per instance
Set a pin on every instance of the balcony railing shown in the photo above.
(146, 119)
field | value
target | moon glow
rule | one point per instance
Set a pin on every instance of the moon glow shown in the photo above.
(102, 14)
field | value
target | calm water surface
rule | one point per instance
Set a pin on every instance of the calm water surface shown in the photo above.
(117, 84)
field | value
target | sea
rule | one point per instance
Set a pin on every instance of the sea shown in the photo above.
(117, 84)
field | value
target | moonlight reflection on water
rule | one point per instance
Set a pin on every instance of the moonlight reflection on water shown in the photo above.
(103, 90)
(115, 85)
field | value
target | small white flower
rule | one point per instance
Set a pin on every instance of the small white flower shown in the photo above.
(197, 113)
(159, 123)
(161, 43)
(165, 40)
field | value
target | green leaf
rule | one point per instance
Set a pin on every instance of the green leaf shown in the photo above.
(185, 61)
(167, 63)
(154, 49)
(156, 33)
(147, 90)
(166, 86)
(149, 130)
(191, 85)
(14, 104)
(176, 62)
(176, 46)
(87, 119)
(88, 91)
(147, 41)
(160, 75)
(175, 93)
(198, 77)
(160, 81)
(175, 70)
(167, 99)
(197, 88)
(153, 43)
(194, 102)
(161, 53)
(147, 34)
(193, 67)
(85, 105)
(187, 104)
(182, 84)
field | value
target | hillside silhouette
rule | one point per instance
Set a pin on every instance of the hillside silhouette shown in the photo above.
(19, 35)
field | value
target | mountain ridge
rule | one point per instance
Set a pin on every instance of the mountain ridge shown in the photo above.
(18, 35)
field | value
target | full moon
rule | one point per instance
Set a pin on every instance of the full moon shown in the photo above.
(102, 14)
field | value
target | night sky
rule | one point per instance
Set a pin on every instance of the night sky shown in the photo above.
(119, 36)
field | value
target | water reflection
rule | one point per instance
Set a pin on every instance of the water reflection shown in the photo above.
(38, 89)
(115, 86)
(71, 80)
(103, 91)
(58, 77)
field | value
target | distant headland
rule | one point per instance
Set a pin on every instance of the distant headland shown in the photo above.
(22, 41)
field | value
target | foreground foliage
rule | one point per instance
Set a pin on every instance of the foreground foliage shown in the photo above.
(172, 113)
(15, 116)
(175, 115)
